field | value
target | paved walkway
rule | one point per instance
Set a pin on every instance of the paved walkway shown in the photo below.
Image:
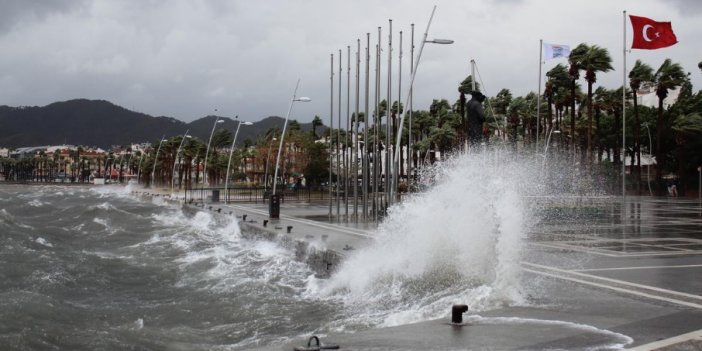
(613, 271)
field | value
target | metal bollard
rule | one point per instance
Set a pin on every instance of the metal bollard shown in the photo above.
(457, 313)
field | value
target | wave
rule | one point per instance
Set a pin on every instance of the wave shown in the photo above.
(459, 242)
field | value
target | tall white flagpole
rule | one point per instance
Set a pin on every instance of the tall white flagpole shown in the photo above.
(538, 95)
(624, 109)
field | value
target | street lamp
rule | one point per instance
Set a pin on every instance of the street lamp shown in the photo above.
(274, 197)
(141, 157)
(204, 176)
(153, 171)
(231, 152)
(396, 161)
(175, 160)
(265, 177)
(440, 41)
(548, 141)
(648, 167)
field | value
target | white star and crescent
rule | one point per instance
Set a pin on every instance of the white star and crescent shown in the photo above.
(645, 33)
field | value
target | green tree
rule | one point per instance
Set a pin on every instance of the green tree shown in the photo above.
(668, 76)
(316, 122)
(641, 75)
(317, 169)
(592, 60)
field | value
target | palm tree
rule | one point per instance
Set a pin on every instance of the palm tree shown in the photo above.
(641, 74)
(575, 61)
(669, 76)
(594, 59)
(591, 59)
(557, 80)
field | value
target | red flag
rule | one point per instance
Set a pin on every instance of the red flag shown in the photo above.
(649, 34)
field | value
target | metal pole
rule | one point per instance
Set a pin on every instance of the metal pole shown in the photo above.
(265, 177)
(153, 171)
(282, 137)
(176, 159)
(398, 130)
(229, 164)
(354, 136)
(348, 129)
(331, 130)
(624, 110)
(414, 74)
(648, 168)
(388, 114)
(538, 95)
(364, 152)
(204, 170)
(141, 157)
(410, 152)
(338, 139)
(376, 130)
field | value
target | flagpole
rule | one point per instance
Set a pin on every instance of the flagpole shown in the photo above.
(538, 95)
(624, 108)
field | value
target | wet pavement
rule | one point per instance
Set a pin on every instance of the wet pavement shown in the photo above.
(614, 270)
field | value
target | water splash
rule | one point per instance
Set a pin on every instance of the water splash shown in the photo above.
(459, 242)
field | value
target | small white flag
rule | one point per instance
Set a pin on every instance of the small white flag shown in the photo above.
(552, 51)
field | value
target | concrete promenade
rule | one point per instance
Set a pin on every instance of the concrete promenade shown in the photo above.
(617, 275)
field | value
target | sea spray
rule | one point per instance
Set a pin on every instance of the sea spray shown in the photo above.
(458, 242)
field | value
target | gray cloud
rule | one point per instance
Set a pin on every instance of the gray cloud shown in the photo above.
(185, 58)
(15, 12)
(687, 7)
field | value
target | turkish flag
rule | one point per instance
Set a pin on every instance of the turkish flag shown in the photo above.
(649, 34)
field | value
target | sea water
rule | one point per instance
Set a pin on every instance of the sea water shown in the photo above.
(86, 268)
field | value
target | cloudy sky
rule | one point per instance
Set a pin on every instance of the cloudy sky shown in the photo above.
(186, 58)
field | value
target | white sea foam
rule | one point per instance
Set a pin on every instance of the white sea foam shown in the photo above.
(617, 342)
(459, 242)
(42, 241)
(37, 203)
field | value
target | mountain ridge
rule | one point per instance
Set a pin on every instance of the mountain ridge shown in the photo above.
(102, 123)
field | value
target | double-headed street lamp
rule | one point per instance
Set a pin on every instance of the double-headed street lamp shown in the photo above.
(274, 198)
(207, 152)
(231, 152)
(175, 160)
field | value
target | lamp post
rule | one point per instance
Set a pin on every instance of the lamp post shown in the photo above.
(141, 157)
(175, 160)
(648, 167)
(207, 152)
(231, 152)
(153, 171)
(396, 161)
(548, 142)
(265, 177)
(272, 213)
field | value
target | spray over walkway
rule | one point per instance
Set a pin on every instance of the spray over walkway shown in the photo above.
(612, 274)
(603, 274)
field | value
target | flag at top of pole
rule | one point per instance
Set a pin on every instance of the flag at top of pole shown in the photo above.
(650, 34)
(552, 51)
